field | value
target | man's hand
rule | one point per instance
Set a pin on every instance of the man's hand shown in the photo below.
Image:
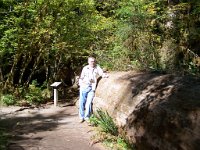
(105, 75)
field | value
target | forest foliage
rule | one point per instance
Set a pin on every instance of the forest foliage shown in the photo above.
(49, 40)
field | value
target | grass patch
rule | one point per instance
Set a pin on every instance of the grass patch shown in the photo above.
(107, 132)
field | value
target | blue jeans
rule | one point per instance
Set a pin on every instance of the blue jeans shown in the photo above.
(85, 102)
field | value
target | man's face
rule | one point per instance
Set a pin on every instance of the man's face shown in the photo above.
(92, 62)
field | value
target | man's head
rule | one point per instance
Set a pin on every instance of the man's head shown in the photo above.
(92, 62)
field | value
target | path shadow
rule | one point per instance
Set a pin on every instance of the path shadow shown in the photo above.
(20, 126)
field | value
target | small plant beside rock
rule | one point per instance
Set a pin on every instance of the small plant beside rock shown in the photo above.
(108, 132)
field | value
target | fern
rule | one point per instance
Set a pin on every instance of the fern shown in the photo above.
(105, 122)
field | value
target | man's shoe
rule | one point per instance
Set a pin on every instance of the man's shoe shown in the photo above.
(81, 120)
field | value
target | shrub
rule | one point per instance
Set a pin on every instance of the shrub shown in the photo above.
(8, 99)
(34, 94)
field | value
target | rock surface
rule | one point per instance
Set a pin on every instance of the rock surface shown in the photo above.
(157, 111)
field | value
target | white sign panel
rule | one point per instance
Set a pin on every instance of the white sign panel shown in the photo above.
(55, 84)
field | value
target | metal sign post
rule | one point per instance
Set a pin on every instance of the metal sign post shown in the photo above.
(55, 86)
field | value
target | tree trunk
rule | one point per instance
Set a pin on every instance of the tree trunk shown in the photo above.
(35, 66)
(1, 78)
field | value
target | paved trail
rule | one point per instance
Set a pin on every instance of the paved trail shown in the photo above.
(47, 129)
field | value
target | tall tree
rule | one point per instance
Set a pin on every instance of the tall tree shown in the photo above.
(40, 36)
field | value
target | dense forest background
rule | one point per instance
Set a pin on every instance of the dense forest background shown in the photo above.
(42, 41)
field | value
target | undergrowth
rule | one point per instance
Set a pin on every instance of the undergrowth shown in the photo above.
(33, 95)
(108, 132)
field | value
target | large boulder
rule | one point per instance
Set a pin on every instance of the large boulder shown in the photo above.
(157, 111)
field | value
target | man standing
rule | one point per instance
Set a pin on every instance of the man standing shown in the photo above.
(88, 82)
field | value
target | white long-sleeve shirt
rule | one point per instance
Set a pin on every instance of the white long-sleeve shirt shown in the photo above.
(89, 76)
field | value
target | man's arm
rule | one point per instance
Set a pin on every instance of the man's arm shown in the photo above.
(81, 77)
(102, 73)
